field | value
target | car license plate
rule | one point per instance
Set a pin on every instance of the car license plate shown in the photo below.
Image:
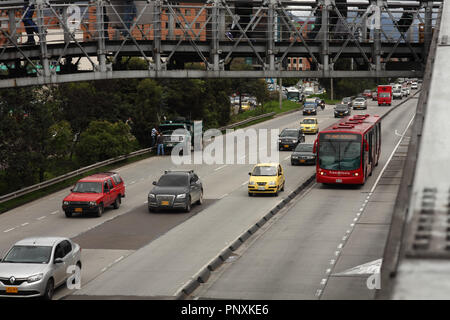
(164, 203)
(341, 114)
(78, 209)
(12, 290)
(338, 180)
(286, 146)
(262, 188)
(302, 161)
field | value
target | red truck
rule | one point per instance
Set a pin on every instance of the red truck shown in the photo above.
(94, 193)
(384, 95)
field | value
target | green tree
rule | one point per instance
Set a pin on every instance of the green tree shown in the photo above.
(104, 140)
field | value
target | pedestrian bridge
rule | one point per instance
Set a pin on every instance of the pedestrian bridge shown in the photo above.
(49, 42)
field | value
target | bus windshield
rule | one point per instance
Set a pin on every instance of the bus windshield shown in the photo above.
(384, 95)
(340, 151)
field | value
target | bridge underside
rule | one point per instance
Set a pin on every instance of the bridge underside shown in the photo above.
(189, 39)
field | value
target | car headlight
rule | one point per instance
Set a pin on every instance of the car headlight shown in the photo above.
(92, 203)
(35, 278)
(272, 183)
(294, 140)
(66, 203)
(251, 183)
(151, 195)
(181, 196)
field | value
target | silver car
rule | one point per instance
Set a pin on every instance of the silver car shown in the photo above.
(359, 103)
(34, 267)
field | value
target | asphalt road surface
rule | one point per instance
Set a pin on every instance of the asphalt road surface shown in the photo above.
(130, 252)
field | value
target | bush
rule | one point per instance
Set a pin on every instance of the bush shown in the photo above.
(104, 140)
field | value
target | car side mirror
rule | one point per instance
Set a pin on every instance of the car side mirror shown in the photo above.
(249, 173)
(59, 260)
(71, 190)
(154, 183)
(315, 146)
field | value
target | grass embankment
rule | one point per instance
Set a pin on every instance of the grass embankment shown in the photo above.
(14, 203)
(271, 106)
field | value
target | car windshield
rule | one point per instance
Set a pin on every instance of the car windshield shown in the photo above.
(173, 180)
(304, 148)
(88, 187)
(341, 108)
(289, 133)
(29, 254)
(367, 91)
(360, 100)
(345, 100)
(340, 152)
(170, 127)
(265, 171)
(309, 121)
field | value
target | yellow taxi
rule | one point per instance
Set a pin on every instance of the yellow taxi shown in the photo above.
(266, 178)
(309, 125)
(245, 106)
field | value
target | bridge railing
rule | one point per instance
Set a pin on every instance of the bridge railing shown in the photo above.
(41, 38)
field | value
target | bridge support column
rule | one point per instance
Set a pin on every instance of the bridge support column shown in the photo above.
(101, 36)
(271, 35)
(42, 39)
(222, 24)
(12, 24)
(157, 35)
(171, 27)
(377, 37)
(215, 37)
(325, 37)
(428, 26)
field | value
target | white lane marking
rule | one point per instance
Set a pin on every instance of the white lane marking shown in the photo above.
(132, 182)
(243, 157)
(40, 218)
(328, 271)
(9, 230)
(54, 212)
(336, 253)
(245, 182)
(323, 282)
(118, 259)
(24, 224)
(145, 202)
(391, 156)
(221, 167)
(332, 262)
(223, 196)
(287, 157)
(340, 246)
(318, 292)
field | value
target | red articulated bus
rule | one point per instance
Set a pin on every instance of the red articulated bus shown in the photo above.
(348, 151)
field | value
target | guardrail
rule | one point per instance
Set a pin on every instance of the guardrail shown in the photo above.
(69, 175)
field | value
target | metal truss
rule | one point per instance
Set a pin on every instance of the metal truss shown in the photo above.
(202, 39)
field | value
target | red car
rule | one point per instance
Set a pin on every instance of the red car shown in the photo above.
(367, 93)
(94, 193)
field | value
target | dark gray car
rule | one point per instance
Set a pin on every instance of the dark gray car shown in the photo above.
(303, 154)
(341, 110)
(176, 190)
(289, 138)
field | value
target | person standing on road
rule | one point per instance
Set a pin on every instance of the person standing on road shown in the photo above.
(159, 141)
(154, 134)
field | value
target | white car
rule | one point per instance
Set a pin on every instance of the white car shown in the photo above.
(405, 92)
(34, 267)
(414, 85)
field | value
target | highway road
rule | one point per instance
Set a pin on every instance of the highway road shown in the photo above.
(322, 245)
(130, 252)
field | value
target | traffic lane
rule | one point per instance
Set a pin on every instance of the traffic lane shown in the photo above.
(293, 257)
(195, 242)
(135, 229)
